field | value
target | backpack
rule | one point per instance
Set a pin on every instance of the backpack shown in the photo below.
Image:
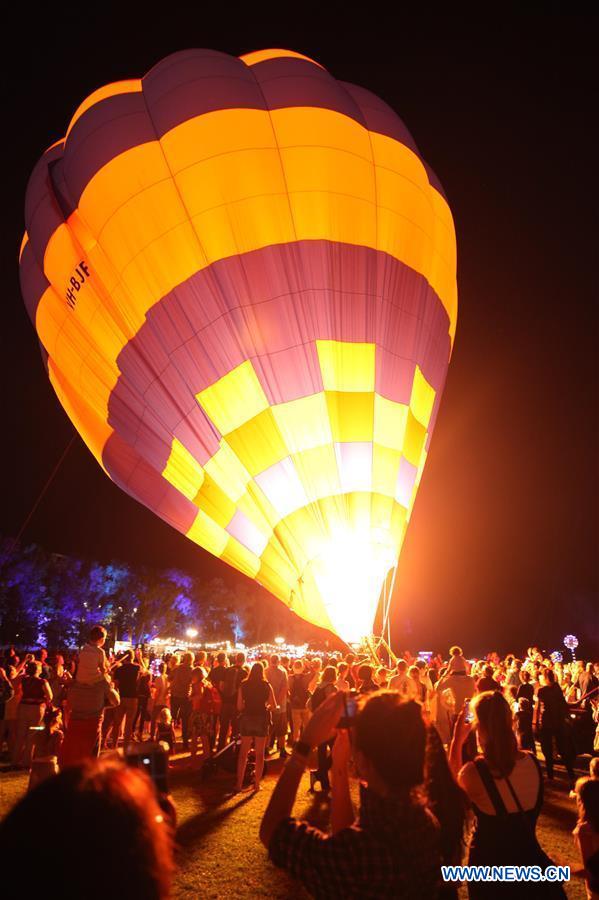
(231, 681)
(299, 693)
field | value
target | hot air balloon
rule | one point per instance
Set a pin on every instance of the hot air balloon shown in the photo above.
(243, 279)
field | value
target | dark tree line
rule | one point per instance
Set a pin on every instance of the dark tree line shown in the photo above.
(51, 599)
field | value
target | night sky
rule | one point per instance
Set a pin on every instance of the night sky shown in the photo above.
(502, 547)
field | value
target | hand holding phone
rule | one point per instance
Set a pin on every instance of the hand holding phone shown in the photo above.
(350, 704)
(152, 757)
(468, 711)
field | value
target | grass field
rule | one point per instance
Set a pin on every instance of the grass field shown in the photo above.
(219, 854)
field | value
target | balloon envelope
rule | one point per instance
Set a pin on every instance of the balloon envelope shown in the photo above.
(243, 279)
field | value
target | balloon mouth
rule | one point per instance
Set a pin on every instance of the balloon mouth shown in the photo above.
(348, 575)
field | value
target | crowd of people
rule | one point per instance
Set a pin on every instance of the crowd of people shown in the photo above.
(445, 750)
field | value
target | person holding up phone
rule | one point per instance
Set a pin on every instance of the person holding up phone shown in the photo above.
(362, 856)
(468, 712)
(505, 788)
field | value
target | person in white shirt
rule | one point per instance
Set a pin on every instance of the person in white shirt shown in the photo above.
(452, 690)
(400, 681)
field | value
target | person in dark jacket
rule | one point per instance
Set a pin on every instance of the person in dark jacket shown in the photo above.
(552, 710)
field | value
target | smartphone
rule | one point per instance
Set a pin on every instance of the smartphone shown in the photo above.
(350, 702)
(152, 757)
(469, 715)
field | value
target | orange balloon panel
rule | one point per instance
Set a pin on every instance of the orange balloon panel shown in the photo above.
(243, 278)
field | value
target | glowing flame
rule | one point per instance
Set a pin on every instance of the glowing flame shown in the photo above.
(349, 574)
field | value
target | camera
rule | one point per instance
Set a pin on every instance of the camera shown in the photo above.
(152, 757)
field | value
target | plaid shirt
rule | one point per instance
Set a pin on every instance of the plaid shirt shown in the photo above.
(392, 850)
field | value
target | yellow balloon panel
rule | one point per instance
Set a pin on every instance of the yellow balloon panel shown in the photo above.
(248, 314)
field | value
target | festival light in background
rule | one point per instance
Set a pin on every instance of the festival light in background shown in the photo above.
(571, 642)
(243, 278)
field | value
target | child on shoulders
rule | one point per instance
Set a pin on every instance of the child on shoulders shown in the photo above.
(93, 666)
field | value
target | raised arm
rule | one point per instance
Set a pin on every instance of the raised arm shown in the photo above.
(461, 732)
(342, 809)
(27, 658)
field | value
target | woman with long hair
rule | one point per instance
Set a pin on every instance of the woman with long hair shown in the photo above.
(505, 787)
(144, 697)
(586, 833)
(255, 698)
(36, 694)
